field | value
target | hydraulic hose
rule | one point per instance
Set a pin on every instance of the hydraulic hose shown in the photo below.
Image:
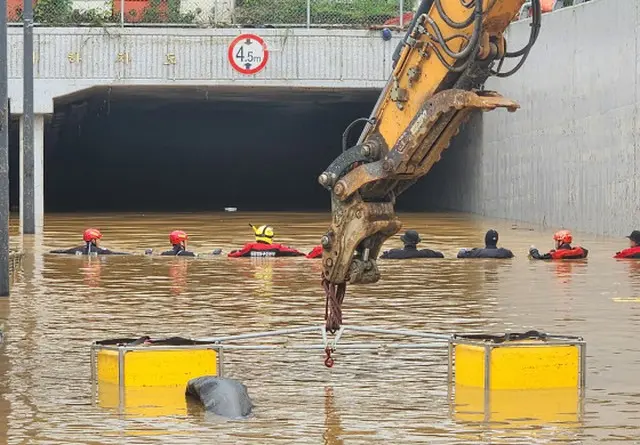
(524, 52)
(423, 8)
(535, 30)
(345, 134)
(471, 46)
(454, 69)
(467, 4)
(475, 37)
(469, 52)
(453, 23)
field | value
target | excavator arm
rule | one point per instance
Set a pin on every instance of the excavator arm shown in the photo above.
(440, 67)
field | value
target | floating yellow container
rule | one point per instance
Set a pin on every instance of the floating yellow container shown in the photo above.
(517, 361)
(149, 378)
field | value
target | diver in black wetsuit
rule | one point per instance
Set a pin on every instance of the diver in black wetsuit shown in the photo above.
(178, 240)
(491, 249)
(91, 238)
(411, 238)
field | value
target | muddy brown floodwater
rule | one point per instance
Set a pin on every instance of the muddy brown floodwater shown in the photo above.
(60, 304)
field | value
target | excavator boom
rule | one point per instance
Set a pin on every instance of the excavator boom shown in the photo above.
(440, 67)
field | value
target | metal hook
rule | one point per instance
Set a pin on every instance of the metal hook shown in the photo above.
(328, 362)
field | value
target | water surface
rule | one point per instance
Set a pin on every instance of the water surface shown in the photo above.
(60, 304)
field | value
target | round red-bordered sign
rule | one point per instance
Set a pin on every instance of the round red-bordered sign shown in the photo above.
(248, 54)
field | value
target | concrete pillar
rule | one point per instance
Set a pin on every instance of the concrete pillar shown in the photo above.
(32, 198)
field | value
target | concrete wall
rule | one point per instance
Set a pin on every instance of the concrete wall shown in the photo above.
(571, 155)
(298, 58)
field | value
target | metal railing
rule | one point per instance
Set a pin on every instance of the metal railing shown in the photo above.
(217, 13)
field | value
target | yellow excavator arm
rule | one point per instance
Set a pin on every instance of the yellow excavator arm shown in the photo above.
(440, 67)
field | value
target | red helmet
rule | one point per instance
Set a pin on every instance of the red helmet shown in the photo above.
(90, 235)
(564, 236)
(177, 237)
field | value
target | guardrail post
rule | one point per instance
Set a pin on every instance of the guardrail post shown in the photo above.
(27, 198)
(401, 14)
(122, 13)
(4, 155)
(308, 14)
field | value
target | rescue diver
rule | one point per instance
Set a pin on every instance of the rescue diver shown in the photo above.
(563, 250)
(264, 246)
(91, 239)
(490, 250)
(411, 239)
(633, 251)
(178, 240)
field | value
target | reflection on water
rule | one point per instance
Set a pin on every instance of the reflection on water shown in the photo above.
(60, 304)
(514, 409)
(333, 428)
(141, 402)
(178, 274)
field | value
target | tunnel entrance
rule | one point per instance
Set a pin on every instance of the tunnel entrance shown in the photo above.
(196, 149)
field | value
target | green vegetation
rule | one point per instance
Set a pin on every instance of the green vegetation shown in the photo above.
(326, 12)
(249, 12)
(55, 12)
(165, 11)
(61, 13)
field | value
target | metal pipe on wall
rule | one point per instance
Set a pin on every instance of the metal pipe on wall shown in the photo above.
(28, 159)
(4, 154)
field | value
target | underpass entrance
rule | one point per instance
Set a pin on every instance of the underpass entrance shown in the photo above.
(196, 149)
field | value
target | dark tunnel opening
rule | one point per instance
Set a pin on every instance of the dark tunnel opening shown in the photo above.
(180, 150)
(197, 150)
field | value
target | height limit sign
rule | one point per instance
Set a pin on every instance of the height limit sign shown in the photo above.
(248, 54)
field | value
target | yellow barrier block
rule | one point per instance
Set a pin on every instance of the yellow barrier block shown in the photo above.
(158, 363)
(156, 368)
(499, 363)
(149, 379)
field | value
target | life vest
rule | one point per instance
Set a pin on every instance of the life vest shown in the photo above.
(315, 253)
(574, 253)
(264, 250)
(632, 252)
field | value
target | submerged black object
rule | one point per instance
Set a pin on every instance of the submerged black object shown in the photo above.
(224, 397)
(515, 336)
(145, 339)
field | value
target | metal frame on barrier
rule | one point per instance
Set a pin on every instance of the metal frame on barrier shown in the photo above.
(439, 340)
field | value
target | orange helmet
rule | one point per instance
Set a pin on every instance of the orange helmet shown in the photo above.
(563, 236)
(90, 235)
(177, 237)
